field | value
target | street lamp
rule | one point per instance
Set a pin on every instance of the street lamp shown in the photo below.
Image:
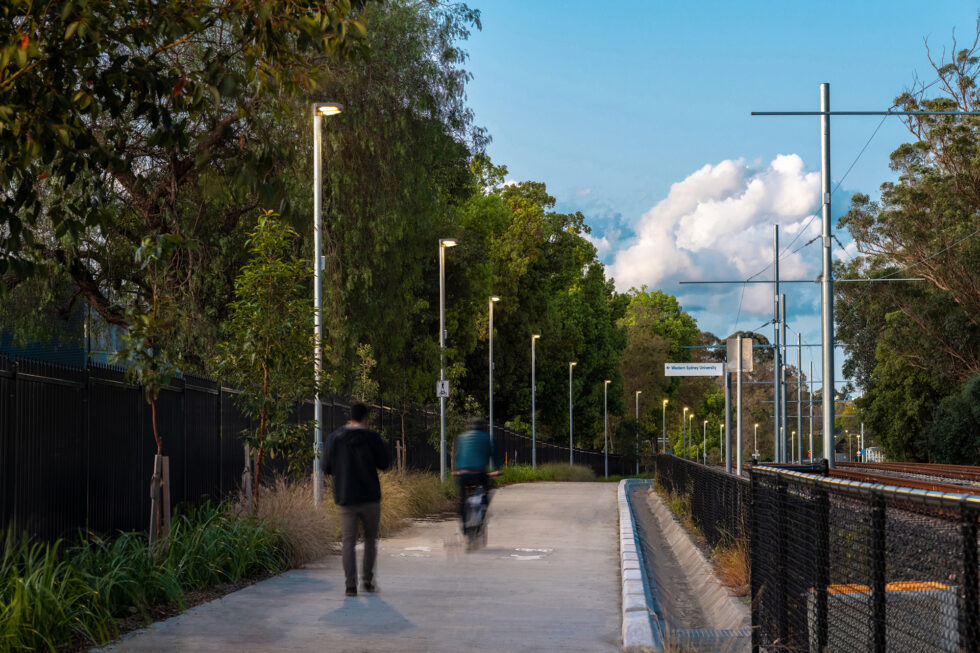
(721, 439)
(534, 428)
(684, 432)
(443, 393)
(636, 440)
(493, 300)
(755, 437)
(792, 443)
(605, 422)
(570, 440)
(690, 435)
(320, 109)
(704, 441)
(663, 422)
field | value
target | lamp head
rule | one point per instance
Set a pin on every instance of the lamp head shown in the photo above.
(639, 392)
(494, 298)
(328, 108)
(665, 402)
(448, 242)
(607, 382)
(572, 364)
(536, 336)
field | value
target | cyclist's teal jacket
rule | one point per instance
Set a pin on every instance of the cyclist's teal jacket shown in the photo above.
(474, 451)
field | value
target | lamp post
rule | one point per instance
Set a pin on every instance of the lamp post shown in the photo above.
(320, 109)
(663, 422)
(792, 442)
(684, 432)
(571, 441)
(704, 441)
(534, 424)
(721, 439)
(755, 439)
(443, 244)
(605, 423)
(636, 440)
(493, 300)
(690, 435)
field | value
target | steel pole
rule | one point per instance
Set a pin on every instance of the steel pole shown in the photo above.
(571, 441)
(827, 280)
(534, 423)
(863, 454)
(704, 442)
(799, 397)
(442, 360)
(728, 421)
(490, 302)
(778, 453)
(605, 424)
(810, 403)
(738, 406)
(783, 409)
(636, 444)
(317, 314)
(663, 422)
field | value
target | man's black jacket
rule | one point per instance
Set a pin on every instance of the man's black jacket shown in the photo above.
(352, 456)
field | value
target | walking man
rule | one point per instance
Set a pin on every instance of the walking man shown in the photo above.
(353, 455)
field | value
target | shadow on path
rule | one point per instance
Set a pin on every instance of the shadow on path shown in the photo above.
(367, 614)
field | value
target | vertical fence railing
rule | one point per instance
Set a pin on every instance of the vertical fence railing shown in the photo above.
(77, 446)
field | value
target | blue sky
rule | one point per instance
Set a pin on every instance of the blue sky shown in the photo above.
(638, 114)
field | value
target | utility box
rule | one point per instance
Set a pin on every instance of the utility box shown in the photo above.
(920, 617)
(733, 354)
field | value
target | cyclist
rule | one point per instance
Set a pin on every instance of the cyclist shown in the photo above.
(474, 456)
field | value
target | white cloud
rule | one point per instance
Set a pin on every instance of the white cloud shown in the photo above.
(602, 245)
(717, 223)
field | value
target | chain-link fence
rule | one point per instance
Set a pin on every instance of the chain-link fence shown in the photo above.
(845, 566)
(839, 565)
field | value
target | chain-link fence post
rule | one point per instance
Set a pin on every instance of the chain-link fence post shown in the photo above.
(821, 561)
(782, 572)
(878, 619)
(969, 637)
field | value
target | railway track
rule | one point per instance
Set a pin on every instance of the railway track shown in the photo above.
(930, 476)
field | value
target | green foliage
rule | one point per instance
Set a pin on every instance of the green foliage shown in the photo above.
(54, 596)
(953, 437)
(549, 472)
(267, 352)
(912, 346)
(119, 119)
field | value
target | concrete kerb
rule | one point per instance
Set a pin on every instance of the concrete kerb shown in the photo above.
(641, 628)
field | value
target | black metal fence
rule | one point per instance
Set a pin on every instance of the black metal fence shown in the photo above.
(719, 501)
(76, 445)
(844, 566)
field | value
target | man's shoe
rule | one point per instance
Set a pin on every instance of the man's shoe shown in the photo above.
(369, 586)
(351, 591)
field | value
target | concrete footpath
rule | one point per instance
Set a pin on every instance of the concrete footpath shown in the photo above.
(548, 580)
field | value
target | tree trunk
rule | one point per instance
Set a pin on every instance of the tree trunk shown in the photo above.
(261, 447)
(156, 483)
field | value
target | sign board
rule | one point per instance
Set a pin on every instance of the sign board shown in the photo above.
(746, 354)
(694, 369)
(442, 389)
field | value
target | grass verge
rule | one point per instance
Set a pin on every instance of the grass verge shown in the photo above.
(730, 558)
(60, 595)
(549, 472)
(55, 595)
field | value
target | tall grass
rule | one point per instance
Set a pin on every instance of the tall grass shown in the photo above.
(54, 595)
(57, 595)
(309, 534)
(548, 472)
